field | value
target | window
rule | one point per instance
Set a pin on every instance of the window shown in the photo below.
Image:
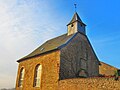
(37, 77)
(72, 25)
(81, 25)
(21, 77)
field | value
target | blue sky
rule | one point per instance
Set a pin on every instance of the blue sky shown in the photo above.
(26, 24)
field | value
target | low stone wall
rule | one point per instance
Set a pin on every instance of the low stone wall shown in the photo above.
(96, 83)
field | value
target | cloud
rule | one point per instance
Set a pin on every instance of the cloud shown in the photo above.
(23, 27)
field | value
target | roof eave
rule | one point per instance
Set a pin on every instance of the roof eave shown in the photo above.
(75, 21)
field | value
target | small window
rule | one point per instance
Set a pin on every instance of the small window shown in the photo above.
(72, 25)
(81, 25)
(37, 77)
(21, 77)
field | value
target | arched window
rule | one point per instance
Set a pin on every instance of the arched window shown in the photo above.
(21, 77)
(37, 77)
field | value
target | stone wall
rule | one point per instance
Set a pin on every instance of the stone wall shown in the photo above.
(50, 70)
(77, 55)
(106, 69)
(90, 84)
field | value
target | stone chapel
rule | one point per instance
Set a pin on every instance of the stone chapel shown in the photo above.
(67, 56)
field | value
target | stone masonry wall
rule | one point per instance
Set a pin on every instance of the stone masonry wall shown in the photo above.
(107, 70)
(77, 55)
(89, 84)
(50, 70)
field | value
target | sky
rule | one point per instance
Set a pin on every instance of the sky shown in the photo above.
(26, 24)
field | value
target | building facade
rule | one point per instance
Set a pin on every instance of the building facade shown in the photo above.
(67, 56)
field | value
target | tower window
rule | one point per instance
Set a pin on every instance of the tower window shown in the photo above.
(81, 25)
(21, 77)
(72, 25)
(37, 77)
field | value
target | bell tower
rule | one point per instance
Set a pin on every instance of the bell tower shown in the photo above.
(76, 25)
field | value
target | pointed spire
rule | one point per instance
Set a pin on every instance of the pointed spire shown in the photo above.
(75, 18)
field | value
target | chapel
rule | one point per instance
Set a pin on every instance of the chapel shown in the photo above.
(70, 55)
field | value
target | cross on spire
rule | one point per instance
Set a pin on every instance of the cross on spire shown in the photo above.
(75, 6)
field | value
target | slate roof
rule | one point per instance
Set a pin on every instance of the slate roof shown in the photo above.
(76, 18)
(49, 45)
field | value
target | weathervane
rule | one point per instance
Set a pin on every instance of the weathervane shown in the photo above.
(75, 6)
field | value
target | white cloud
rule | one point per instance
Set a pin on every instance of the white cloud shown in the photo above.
(21, 31)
